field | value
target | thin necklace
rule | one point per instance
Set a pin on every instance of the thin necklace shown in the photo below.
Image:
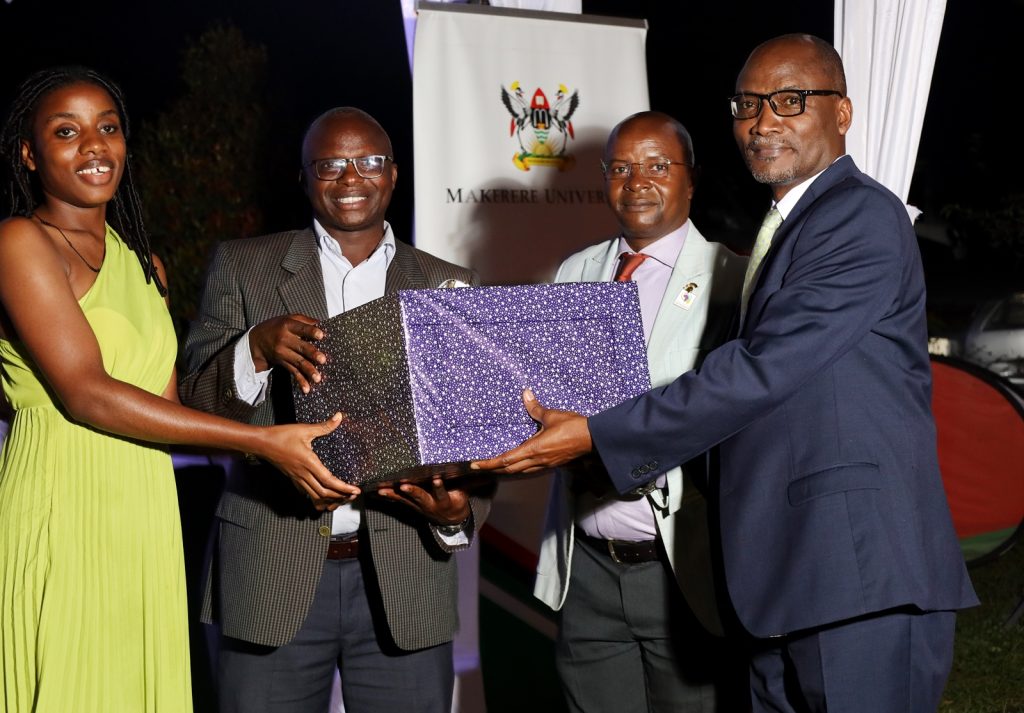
(72, 246)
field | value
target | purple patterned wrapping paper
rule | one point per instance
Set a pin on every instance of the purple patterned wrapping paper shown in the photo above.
(431, 379)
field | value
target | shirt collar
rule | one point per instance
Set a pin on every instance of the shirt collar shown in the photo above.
(795, 193)
(665, 249)
(327, 244)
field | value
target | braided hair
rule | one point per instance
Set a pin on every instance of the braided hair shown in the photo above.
(24, 194)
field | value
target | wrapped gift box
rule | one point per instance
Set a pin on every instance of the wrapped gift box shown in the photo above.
(431, 379)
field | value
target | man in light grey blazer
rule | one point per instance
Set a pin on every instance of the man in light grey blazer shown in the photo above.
(616, 566)
(301, 588)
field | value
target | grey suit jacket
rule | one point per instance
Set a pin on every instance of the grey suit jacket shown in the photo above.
(270, 542)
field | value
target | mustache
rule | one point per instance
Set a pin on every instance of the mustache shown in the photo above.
(761, 142)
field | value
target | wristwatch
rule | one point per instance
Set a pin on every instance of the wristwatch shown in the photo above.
(452, 530)
(643, 490)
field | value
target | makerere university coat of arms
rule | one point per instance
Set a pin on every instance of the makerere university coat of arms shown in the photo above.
(543, 131)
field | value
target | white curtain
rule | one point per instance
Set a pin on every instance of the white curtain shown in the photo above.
(888, 48)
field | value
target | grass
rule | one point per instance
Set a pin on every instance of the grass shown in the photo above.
(988, 661)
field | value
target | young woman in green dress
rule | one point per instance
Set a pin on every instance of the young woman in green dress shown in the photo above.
(92, 600)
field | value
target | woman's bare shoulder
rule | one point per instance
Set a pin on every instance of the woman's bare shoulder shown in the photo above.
(22, 228)
(23, 239)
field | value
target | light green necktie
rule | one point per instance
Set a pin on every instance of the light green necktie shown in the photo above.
(772, 221)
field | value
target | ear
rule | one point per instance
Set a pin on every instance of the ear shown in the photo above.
(695, 174)
(28, 158)
(844, 115)
(394, 173)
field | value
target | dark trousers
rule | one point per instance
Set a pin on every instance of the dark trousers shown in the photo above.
(895, 662)
(628, 642)
(344, 630)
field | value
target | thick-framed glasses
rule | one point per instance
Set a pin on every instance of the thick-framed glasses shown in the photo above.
(652, 168)
(331, 169)
(787, 102)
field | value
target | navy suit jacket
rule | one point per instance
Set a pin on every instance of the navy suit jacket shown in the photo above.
(830, 498)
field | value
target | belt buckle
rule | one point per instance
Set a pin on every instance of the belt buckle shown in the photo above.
(614, 555)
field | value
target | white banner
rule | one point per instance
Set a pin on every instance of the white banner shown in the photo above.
(511, 113)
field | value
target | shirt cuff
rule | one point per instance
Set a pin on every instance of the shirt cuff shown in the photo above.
(250, 385)
(456, 540)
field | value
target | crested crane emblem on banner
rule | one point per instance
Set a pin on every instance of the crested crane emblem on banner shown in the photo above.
(543, 131)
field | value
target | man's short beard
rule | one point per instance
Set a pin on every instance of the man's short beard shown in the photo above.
(766, 172)
(772, 177)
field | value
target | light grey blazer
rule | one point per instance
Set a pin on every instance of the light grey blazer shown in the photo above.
(270, 544)
(686, 328)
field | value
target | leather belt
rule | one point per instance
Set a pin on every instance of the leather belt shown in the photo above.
(343, 549)
(624, 551)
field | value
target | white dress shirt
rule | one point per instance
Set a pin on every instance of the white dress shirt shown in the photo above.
(789, 201)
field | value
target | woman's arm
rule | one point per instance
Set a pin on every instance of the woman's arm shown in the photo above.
(43, 310)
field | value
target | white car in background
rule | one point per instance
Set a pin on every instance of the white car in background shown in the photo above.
(995, 338)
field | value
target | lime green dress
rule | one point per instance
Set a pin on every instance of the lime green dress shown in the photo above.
(92, 588)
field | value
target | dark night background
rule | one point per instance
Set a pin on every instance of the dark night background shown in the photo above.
(320, 54)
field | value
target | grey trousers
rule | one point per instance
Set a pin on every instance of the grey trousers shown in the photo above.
(628, 642)
(344, 630)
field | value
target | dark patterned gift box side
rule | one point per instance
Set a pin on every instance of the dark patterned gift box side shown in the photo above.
(366, 377)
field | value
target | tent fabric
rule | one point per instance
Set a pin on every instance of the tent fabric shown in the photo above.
(888, 49)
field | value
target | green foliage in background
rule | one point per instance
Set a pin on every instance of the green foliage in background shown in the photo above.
(200, 161)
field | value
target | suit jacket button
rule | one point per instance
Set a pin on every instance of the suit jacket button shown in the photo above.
(324, 531)
(636, 473)
(654, 464)
(228, 393)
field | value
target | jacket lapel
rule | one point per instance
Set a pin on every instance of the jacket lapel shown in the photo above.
(674, 321)
(404, 272)
(303, 291)
(838, 171)
(601, 267)
(835, 173)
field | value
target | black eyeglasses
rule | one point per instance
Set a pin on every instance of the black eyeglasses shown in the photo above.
(787, 102)
(331, 169)
(652, 168)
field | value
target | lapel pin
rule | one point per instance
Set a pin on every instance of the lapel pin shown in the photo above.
(687, 295)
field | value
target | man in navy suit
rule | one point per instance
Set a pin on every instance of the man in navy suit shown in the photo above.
(837, 544)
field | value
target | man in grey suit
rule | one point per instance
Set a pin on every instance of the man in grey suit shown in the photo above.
(632, 575)
(301, 588)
